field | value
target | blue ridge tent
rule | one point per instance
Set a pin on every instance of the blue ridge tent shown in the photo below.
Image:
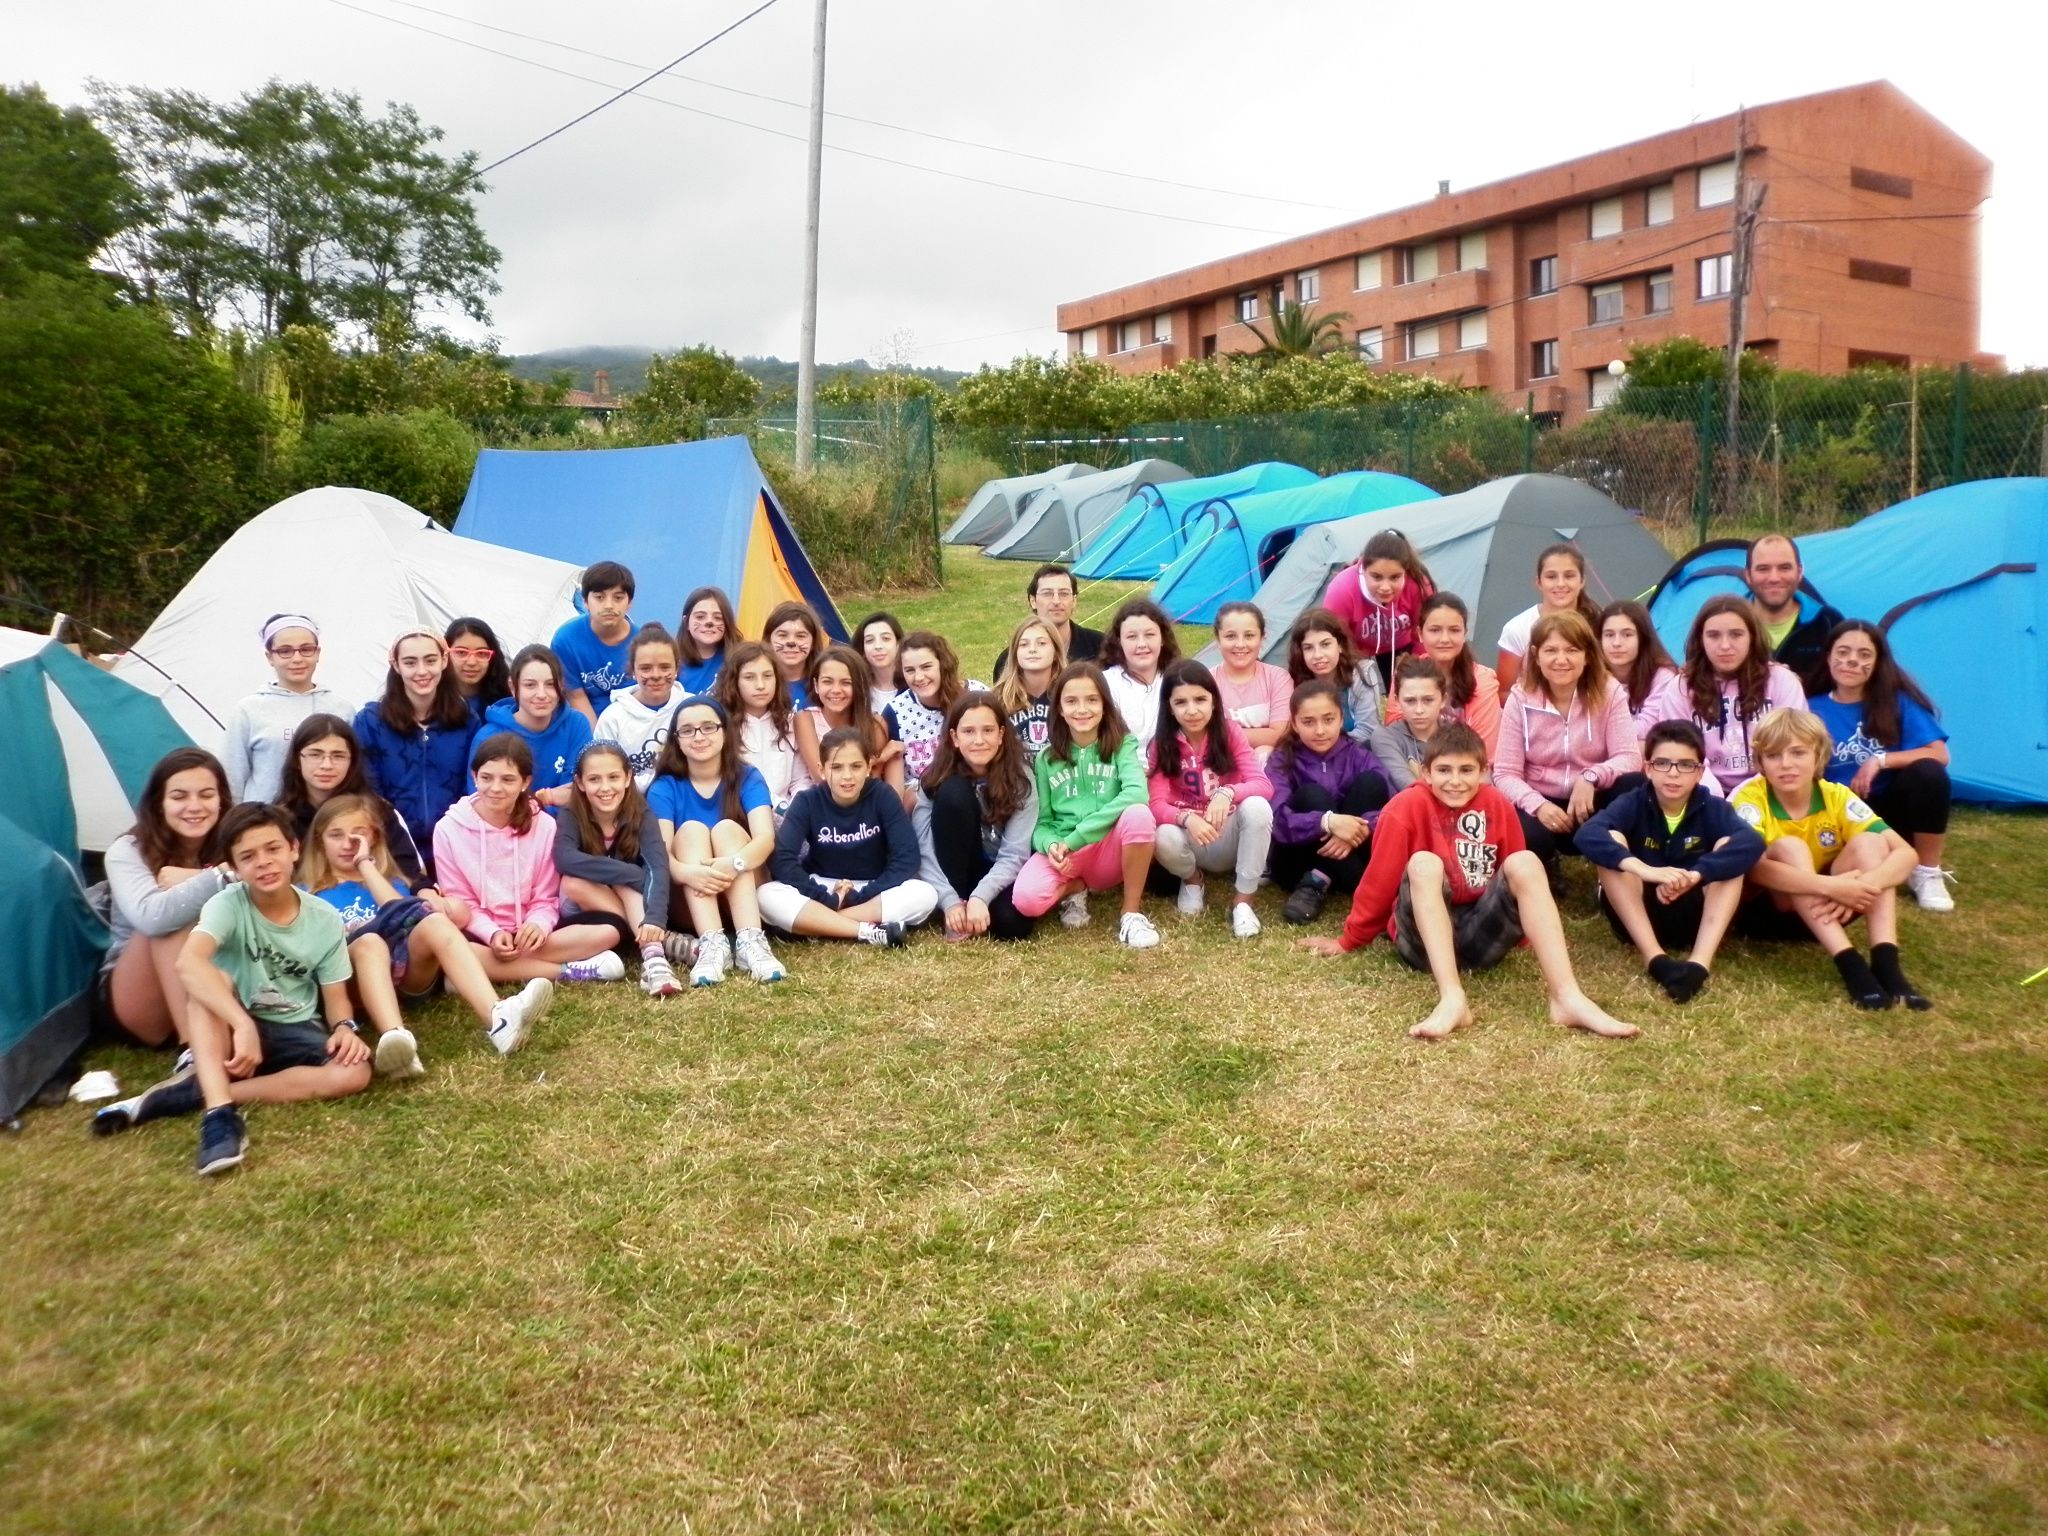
(994, 509)
(1955, 578)
(1061, 520)
(1233, 543)
(1481, 544)
(77, 750)
(1150, 530)
(679, 516)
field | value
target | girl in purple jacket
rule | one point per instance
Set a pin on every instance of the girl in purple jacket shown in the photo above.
(1327, 792)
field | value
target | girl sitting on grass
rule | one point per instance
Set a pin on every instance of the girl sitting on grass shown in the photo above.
(1255, 693)
(1319, 646)
(975, 812)
(916, 717)
(1474, 696)
(756, 699)
(1728, 685)
(637, 718)
(1211, 803)
(478, 662)
(1024, 689)
(1139, 645)
(538, 714)
(324, 761)
(609, 853)
(842, 694)
(1420, 693)
(1635, 657)
(1327, 791)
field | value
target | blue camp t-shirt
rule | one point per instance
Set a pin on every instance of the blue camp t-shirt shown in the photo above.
(676, 801)
(356, 903)
(1917, 728)
(588, 663)
(799, 694)
(698, 676)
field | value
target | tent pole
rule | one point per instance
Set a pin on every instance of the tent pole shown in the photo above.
(807, 346)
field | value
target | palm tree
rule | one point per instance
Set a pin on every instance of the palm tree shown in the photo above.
(1299, 332)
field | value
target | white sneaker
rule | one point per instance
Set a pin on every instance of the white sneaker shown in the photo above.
(512, 1020)
(658, 977)
(1930, 888)
(1074, 910)
(1136, 932)
(756, 958)
(1193, 897)
(398, 1054)
(605, 967)
(1244, 922)
(714, 954)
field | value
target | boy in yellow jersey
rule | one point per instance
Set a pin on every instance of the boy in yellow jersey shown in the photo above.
(1829, 858)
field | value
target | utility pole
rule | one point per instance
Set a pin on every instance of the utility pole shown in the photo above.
(807, 344)
(1749, 202)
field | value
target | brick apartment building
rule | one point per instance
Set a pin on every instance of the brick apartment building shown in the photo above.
(1866, 252)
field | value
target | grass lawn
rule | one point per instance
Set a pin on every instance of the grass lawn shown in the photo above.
(1063, 1238)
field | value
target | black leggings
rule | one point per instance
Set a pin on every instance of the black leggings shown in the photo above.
(1547, 845)
(1291, 862)
(956, 844)
(1913, 799)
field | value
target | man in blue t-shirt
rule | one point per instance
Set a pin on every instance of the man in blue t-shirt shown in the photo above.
(595, 647)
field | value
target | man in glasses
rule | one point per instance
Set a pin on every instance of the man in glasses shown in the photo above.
(1671, 857)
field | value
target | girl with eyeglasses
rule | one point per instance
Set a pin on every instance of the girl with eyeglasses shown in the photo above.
(326, 762)
(261, 725)
(478, 662)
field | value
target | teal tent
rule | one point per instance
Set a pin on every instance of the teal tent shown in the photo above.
(1151, 529)
(1233, 543)
(77, 750)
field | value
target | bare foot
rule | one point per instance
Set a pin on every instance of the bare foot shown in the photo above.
(1449, 1013)
(1582, 1012)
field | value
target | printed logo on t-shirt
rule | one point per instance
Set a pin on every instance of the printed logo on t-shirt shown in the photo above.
(1477, 858)
(1751, 814)
(1856, 810)
(1826, 837)
(1858, 748)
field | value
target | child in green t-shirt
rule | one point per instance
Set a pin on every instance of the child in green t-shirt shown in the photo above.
(264, 967)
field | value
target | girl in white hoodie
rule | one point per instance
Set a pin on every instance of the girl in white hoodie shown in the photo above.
(638, 718)
(500, 863)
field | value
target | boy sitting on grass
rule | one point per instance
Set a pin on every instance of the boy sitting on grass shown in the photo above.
(1452, 884)
(1828, 859)
(264, 963)
(1671, 859)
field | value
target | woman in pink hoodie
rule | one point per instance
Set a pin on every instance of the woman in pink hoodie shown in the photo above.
(1380, 597)
(1212, 802)
(1566, 735)
(499, 853)
(1727, 684)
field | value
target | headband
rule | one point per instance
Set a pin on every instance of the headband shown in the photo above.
(277, 623)
(707, 702)
(416, 634)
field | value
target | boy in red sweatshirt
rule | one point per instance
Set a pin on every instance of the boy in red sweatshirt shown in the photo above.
(1452, 884)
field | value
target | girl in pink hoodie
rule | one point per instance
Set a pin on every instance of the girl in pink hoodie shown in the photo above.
(1212, 802)
(1728, 683)
(1566, 735)
(1380, 597)
(494, 853)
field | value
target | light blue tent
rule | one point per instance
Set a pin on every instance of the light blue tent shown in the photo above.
(1233, 543)
(1150, 529)
(678, 516)
(1956, 580)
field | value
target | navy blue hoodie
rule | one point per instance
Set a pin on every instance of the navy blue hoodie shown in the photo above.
(1637, 817)
(821, 842)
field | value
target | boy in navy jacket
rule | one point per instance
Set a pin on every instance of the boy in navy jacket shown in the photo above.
(1688, 847)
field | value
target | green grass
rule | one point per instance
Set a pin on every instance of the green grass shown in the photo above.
(1062, 1238)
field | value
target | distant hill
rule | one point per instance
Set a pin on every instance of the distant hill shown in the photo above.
(628, 368)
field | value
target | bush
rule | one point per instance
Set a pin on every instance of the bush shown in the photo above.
(849, 521)
(424, 458)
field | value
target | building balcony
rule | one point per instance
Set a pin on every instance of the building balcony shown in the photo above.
(1645, 248)
(1146, 359)
(1466, 368)
(1445, 294)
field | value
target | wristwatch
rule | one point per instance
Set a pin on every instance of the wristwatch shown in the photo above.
(349, 1024)
(1591, 778)
(739, 865)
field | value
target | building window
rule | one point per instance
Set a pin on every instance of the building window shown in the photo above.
(1606, 218)
(1471, 330)
(1421, 263)
(1542, 275)
(1308, 287)
(1658, 204)
(1543, 359)
(1717, 276)
(1130, 335)
(1880, 272)
(1866, 180)
(1472, 251)
(1602, 387)
(1368, 272)
(1878, 360)
(1423, 340)
(1371, 346)
(1660, 292)
(1606, 302)
(1247, 307)
(1717, 184)
(1162, 327)
(1091, 341)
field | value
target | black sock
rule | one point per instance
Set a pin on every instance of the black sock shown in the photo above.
(1884, 965)
(1865, 991)
(1662, 970)
(1686, 984)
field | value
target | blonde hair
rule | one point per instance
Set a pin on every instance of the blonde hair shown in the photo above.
(1783, 728)
(315, 872)
(1009, 689)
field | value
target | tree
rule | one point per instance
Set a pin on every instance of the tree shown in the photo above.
(684, 389)
(62, 193)
(1685, 360)
(424, 458)
(1297, 331)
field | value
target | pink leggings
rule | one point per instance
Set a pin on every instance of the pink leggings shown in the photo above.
(1098, 866)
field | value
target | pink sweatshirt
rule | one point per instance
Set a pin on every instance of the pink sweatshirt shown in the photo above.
(1730, 757)
(508, 878)
(1541, 752)
(1190, 789)
(1382, 630)
(1260, 702)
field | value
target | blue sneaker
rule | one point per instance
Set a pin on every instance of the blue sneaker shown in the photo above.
(177, 1095)
(222, 1140)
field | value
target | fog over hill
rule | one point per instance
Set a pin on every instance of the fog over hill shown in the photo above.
(628, 368)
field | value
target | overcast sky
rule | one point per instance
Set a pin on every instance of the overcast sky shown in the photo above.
(658, 226)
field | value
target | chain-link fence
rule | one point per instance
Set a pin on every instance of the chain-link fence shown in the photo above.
(868, 510)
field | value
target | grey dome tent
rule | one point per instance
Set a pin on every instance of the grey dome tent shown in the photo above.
(1481, 544)
(994, 509)
(1062, 518)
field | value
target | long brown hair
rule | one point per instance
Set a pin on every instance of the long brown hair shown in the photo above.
(1217, 755)
(731, 767)
(783, 613)
(1320, 621)
(1007, 781)
(951, 685)
(1463, 673)
(625, 843)
(1883, 720)
(1288, 747)
(509, 747)
(1109, 735)
(294, 795)
(1010, 694)
(1752, 682)
(1569, 627)
(727, 689)
(450, 710)
(1651, 657)
(1392, 544)
(860, 714)
(686, 645)
(1584, 606)
(153, 834)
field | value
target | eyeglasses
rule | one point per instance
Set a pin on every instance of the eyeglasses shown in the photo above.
(1673, 765)
(310, 756)
(710, 729)
(294, 652)
(471, 652)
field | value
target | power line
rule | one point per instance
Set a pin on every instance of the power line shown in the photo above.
(629, 90)
(870, 122)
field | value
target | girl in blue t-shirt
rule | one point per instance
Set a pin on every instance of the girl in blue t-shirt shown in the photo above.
(1889, 748)
(716, 819)
(400, 945)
